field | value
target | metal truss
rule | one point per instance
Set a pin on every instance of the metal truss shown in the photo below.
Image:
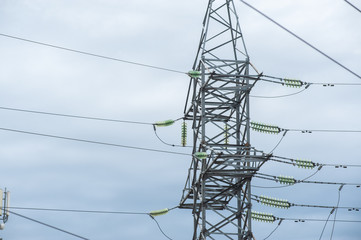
(218, 186)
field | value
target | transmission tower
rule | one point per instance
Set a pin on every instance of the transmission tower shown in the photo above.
(218, 186)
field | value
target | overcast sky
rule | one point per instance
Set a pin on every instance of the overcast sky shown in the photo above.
(45, 172)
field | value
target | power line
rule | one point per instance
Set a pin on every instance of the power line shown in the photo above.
(324, 227)
(91, 54)
(92, 118)
(279, 223)
(293, 162)
(280, 96)
(92, 212)
(352, 5)
(48, 225)
(94, 142)
(159, 227)
(302, 40)
(79, 211)
(323, 130)
(313, 174)
(282, 81)
(357, 209)
(73, 116)
(316, 220)
(275, 178)
(276, 129)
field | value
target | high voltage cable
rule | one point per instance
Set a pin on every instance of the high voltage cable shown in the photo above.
(294, 181)
(48, 225)
(259, 200)
(292, 161)
(91, 54)
(316, 220)
(324, 130)
(301, 39)
(279, 96)
(306, 84)
(313, 174)
(160, 229)
(148, 123)
(74, 116)
(338, 202)
(93, 142)
(272, 129)
(84, 211)
(352, 5)
(79, 211)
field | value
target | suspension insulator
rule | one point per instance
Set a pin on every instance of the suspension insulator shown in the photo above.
(293, 83)
(184, 134)
(226, 134)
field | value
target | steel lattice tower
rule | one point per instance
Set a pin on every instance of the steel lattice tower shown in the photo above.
(218, 186)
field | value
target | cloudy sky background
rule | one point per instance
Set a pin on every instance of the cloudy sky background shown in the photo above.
(52, 173)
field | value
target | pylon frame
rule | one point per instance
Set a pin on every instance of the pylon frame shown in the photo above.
(218, 188)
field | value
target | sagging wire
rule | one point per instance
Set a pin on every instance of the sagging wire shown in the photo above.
(279, 142)
(156, 213)
(169, 123)
(93, 142)
(328, 218)
(278, 225)
(279, 96)
(151, 214)
(159, 227)
(48, 225)
(301, 39)
(338, 203)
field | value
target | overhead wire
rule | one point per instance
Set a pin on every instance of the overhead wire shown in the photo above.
(292, 161)
(274, 230)
(94, 142)
(159, 227)
(78, 211)
(302, 40)
(324, 130)
(352, 5)
(258, 199)
(306, 84)
(317, 220)
(280, 96)
(164, 142)
(338, 202)
(92, 212)
(90, 54)
(91, 118)
(74, 116)
(327, 220)
(48, 225)
(275, 178)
